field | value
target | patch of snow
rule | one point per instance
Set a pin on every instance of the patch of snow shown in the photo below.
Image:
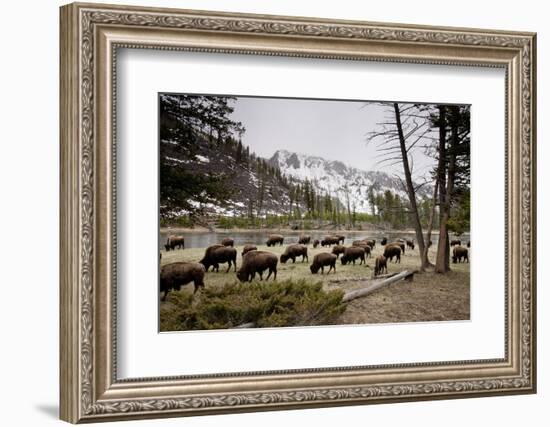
(202, 159)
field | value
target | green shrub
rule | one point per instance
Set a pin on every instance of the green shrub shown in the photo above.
(273, 304)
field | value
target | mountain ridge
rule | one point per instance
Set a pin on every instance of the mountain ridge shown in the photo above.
(338, 179)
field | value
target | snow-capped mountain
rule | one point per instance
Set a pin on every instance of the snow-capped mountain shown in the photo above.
(338, 179)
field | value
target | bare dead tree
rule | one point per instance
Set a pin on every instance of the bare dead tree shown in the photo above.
(405, 129)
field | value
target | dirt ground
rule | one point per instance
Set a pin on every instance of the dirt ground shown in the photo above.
(429, 297)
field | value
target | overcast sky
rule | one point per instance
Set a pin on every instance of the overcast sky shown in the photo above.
(335, 130)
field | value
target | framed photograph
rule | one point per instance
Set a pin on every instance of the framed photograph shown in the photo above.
(266, 212)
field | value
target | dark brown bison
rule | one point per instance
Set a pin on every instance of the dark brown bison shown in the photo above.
(178, 274)
(315, 243)
(456, 242)
(370, 242)
(460, 253)
(320, 261)
(380, 265)
(338, 249)
(173, 242)
(362, 244)
(353, 253)
(248, 248)
(410, 243)
(257, 262)
(228, 241)
(293, 251)
(392, 250)
(219, 254)
(304, 240)
(273, 239)
(330, 240)
(384, 241)
(340, 237)
(468, 244)
(400, 244)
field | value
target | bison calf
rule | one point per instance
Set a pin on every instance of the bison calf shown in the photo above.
(410, 244)
(320, 261)
(219, 254)
(293, 251)
(178, 274)
(257, 262)
(380, 265)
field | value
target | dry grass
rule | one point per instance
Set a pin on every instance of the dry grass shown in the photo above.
(429, 297)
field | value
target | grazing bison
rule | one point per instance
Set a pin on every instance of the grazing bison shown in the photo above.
(320, 261)
(384, 241)
(330, 240)
(338, 249)
(370, 242)
(228, 241)
(304, 240)
(392, 250)
(460, 253)
(173, 242)
(352, 253)
(456, 242)
(178, 274)
(273, 239)
(340, 238)
(219, 254)
(380, 265)
(257, 262)
(410, 244)
(248, 248)
(293, 251)
(400, 244)
(363, 245)
(315, 243)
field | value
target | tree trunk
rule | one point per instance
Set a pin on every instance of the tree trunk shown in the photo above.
(431, 223)
(443, 252)
(410, 189)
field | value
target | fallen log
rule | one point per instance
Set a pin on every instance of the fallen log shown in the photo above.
(351, 295)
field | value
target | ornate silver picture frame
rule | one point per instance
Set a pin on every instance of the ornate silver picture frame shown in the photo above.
(91, 390)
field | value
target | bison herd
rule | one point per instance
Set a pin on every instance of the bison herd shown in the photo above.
(254, 261)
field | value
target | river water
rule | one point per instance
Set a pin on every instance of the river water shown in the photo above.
(205, 239)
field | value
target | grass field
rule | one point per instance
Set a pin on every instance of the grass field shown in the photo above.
(429, 297)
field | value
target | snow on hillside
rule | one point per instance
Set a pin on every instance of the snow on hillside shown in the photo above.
(337, 178)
